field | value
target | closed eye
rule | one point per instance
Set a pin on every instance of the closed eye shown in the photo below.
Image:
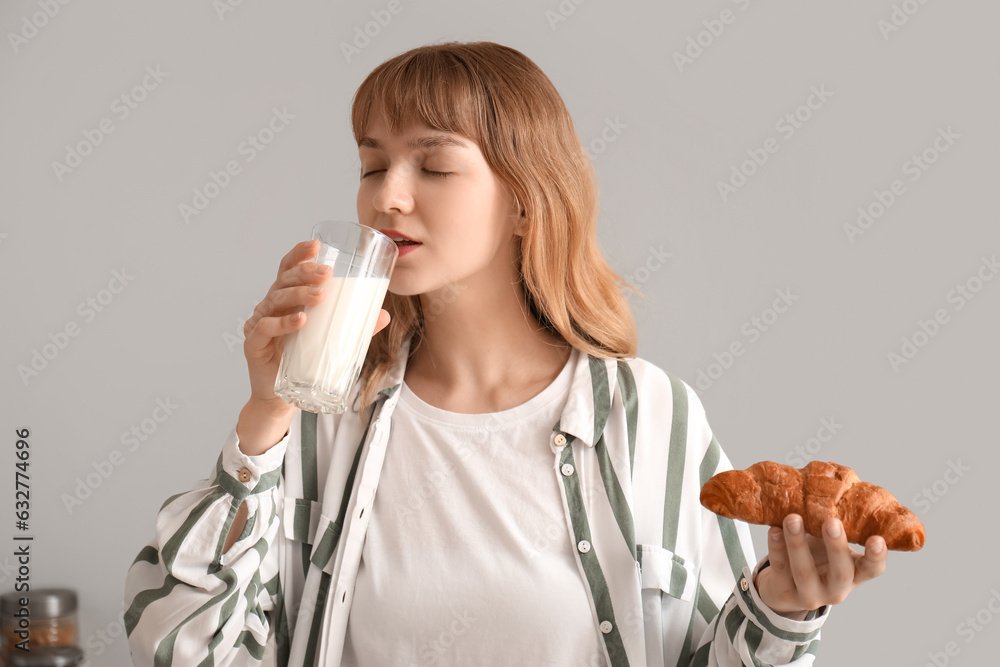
(438, 174)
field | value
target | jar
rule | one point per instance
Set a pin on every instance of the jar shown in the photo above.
(48, 656)
(48, 619)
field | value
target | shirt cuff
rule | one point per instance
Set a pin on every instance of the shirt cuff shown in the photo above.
(754, 609)
(243, 475)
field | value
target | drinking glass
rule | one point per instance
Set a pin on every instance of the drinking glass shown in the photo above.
(321, 361)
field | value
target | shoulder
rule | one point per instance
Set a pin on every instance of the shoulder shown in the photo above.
(653, 383)
(667, 408)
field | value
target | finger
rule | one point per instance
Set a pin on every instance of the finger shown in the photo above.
(300, 253)
(382, 322)
(267, 329)
(777, 552)
(872, 563)
(305, 273)
(282, 301)
(800, 559)
(840, 562)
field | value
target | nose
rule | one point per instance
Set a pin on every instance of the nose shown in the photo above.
(395, 194)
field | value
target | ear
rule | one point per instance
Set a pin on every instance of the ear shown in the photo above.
(521, 227)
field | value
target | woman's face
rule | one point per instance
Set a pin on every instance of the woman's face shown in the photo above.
(436, 188)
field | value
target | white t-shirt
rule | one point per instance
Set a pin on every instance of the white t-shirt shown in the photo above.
(467, 560)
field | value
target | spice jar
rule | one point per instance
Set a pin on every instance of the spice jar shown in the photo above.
(48, 656)
(44, 617)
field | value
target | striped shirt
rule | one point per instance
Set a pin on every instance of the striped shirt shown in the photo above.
(669, 583)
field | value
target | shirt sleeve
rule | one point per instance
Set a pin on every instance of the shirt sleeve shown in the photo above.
(187, 602)
(744, 631)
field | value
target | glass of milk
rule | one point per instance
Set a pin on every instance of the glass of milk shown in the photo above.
(321, 361)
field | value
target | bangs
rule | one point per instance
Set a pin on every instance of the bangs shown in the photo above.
(433, 87)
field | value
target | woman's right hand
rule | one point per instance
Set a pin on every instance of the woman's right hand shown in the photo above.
(298, 284)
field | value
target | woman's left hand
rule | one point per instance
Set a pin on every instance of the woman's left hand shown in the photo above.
(809, 572)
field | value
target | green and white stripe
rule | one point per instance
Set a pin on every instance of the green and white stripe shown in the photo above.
(631, 451)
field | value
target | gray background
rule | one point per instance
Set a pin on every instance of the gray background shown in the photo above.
(173, 331)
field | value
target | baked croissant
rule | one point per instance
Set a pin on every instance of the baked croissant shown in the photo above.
(766, 492)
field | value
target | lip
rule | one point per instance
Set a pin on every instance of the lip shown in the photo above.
(392, 233)
(406, 249)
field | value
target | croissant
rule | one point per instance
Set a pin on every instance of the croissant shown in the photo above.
(766, 492)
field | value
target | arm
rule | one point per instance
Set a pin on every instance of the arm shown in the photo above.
(188, 598)
(744, 631)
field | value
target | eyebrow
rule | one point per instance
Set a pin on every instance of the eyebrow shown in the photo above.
(432, 141)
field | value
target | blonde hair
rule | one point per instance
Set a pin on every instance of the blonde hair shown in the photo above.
(499, 98)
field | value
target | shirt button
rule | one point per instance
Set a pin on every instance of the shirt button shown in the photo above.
(567, 469)
(583, 546)
(744, 584)
(560, 440)
(245, 475)
(606, 627)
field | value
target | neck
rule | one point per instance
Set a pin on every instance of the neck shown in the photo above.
(479, 337)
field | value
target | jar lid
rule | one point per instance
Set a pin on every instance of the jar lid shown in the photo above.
(48, 656)
(42, 603)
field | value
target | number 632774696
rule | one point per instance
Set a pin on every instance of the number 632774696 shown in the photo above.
(22, 485)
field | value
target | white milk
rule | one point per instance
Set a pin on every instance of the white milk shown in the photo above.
(329, 349)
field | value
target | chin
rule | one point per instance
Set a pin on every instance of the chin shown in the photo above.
(444, 289)
(402, 287)
(403, 292)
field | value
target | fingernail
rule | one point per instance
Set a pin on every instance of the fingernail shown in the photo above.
(877, 546)
(794, 525)
(315, 289)
(833, 529)
(776, 535)
(324, 269)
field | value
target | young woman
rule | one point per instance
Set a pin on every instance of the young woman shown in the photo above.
(512, 485)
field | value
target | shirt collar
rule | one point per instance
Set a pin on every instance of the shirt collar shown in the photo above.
(591, 390)
(585, 415)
